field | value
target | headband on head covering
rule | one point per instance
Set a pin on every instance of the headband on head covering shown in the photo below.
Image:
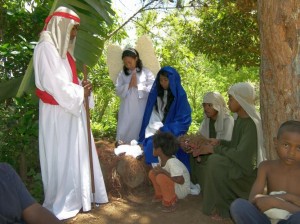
(57, 30)
(244, 94)
(62, 14)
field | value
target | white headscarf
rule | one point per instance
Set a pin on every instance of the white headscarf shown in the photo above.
(57, 30)
(218, 103)
(244, 94)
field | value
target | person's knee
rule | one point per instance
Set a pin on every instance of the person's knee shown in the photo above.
(151, 174)
(215, 162)
(237, 206)
(161, 179)
(294, 219)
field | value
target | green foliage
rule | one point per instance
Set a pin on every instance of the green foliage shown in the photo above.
(198, 73)
(225, 35)
(35, 185)
(19, 32)
(104, 115)
(15, 57)
(19, 140)
(19, 132)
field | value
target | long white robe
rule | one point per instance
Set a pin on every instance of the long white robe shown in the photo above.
(63, 141)
(133, 103)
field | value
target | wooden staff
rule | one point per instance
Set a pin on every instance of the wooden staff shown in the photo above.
(86, 101)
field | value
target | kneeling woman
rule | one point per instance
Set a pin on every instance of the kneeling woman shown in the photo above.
(167, 110)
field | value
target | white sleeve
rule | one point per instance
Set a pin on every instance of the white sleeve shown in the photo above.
(228, 127)
(121, 86)
(175, 168)
(53, 75)
(146, 81)
(204, 127)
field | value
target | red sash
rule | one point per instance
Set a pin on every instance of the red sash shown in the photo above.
(46, 97)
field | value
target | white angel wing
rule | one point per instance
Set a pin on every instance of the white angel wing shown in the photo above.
(145, 48)
(114, 61)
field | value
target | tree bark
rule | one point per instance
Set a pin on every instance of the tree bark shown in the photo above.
(279, 23)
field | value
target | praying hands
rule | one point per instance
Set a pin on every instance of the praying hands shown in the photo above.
(133, 81)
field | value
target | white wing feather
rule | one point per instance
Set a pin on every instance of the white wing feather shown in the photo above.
(114, 61)
(146, 51)
(145, 48)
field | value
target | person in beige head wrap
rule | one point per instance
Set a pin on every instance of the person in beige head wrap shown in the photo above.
(230, 170)
(217, 123)
(244, 94)
(63, 135)
(216, 115)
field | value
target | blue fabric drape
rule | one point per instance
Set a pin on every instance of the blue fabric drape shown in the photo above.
(177, 120)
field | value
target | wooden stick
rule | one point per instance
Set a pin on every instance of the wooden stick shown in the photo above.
(86, 101)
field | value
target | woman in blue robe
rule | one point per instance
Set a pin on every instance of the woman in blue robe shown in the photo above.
(167, 110)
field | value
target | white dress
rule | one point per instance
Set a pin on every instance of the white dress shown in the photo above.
(133, 103)
(63, 141)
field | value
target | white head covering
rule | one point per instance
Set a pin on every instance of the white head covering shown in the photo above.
(244, 94)
(57, 30)
(218, 102)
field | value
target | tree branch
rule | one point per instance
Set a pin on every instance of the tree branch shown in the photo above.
(144, 8)
(130, 18)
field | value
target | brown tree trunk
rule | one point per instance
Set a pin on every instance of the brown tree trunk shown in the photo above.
(279, 23)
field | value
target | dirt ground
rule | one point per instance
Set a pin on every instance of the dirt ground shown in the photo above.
(134, 205)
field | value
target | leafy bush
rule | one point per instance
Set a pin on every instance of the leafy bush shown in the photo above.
(19, 138)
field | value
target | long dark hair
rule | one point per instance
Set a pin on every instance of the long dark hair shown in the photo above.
(131, 52)
(160, 94)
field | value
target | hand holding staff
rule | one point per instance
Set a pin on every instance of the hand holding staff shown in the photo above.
(87, 91)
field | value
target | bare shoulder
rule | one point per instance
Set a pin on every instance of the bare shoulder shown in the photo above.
(268, 164)
(269, 167)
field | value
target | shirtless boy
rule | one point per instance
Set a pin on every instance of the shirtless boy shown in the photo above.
(281, 176)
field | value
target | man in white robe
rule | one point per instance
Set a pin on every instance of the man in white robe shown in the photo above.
(63, 138)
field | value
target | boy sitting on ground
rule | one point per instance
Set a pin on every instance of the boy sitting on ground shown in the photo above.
(282, 179)
(170, 179)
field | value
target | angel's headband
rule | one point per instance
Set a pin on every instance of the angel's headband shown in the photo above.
(130, 52)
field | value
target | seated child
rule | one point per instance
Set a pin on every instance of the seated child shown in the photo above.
(278, 175)
(170, 179)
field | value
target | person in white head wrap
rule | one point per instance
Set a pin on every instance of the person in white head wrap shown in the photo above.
(63, 141)
(216, 115)
(230, 170)
(244, 94)
(217, 123)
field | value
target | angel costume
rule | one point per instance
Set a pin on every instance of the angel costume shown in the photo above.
(133, 103)
(176, 119)
(221, 128)
(231, 170)
(63, 137)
